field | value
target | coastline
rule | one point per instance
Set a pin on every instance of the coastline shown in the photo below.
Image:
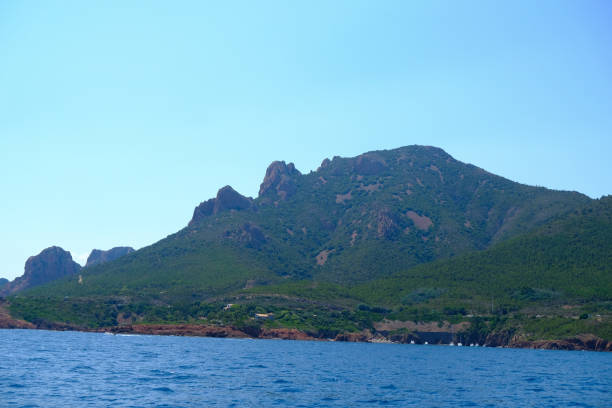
(580, 342)
(426, 335)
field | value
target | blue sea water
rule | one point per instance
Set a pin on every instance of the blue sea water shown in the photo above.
(71, 369)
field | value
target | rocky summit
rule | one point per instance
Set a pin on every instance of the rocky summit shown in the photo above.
(51, 264)
(97, 256)
(280, 180)
(227, 199)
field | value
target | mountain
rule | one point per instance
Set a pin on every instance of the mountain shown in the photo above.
(51, 264)
(351, 221)
(403, 236)
(3, 282)
(98, 256)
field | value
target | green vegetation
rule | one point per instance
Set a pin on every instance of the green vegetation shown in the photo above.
(417, 237)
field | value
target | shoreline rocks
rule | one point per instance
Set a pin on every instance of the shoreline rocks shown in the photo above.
(586, 342)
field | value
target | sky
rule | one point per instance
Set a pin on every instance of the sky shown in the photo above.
(117, 118)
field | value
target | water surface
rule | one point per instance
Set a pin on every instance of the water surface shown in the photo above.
(55, 369)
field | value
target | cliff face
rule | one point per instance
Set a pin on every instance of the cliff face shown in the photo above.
(98, 256)
(227, 199)
(279, 181)
(51, 264)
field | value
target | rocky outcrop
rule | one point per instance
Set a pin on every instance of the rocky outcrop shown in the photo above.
(324, 164)
(420, 221)
(284, 334)
(580, 342)
(97, 256)
(280, 180)
(357, 337)
(181, 330)
(249, 234)
(51, 264)
(212, 331)
(227, 199)
(386, 224)
(230, 199)
(369, 165)
(8, 322)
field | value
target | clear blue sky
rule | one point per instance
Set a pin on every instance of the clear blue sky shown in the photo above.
(117, 118)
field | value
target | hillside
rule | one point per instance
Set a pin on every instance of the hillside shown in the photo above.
(408, 235)
(552, 283)
(568, 259)
(351, 221)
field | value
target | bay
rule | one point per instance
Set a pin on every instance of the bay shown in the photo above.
(54, 369)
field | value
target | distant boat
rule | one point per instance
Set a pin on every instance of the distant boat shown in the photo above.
(411, 341)
(459, 344)
(426, 343)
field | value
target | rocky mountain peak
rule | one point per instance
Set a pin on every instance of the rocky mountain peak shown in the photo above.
(98, 256)
(51, 264)
(230, 199)
(279, 180)
(227, 199)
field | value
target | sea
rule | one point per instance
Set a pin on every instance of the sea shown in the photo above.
(73, 369)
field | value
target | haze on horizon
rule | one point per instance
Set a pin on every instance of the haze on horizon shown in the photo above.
(117, 119)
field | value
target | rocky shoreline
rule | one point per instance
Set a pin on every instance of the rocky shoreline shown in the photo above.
(423, 334)
(585, 342)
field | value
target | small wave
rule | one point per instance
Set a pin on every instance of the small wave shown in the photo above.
(289, 389)
(187, 367)
(163, 389)
(160, 373)
(81, 368)
(183, 377)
